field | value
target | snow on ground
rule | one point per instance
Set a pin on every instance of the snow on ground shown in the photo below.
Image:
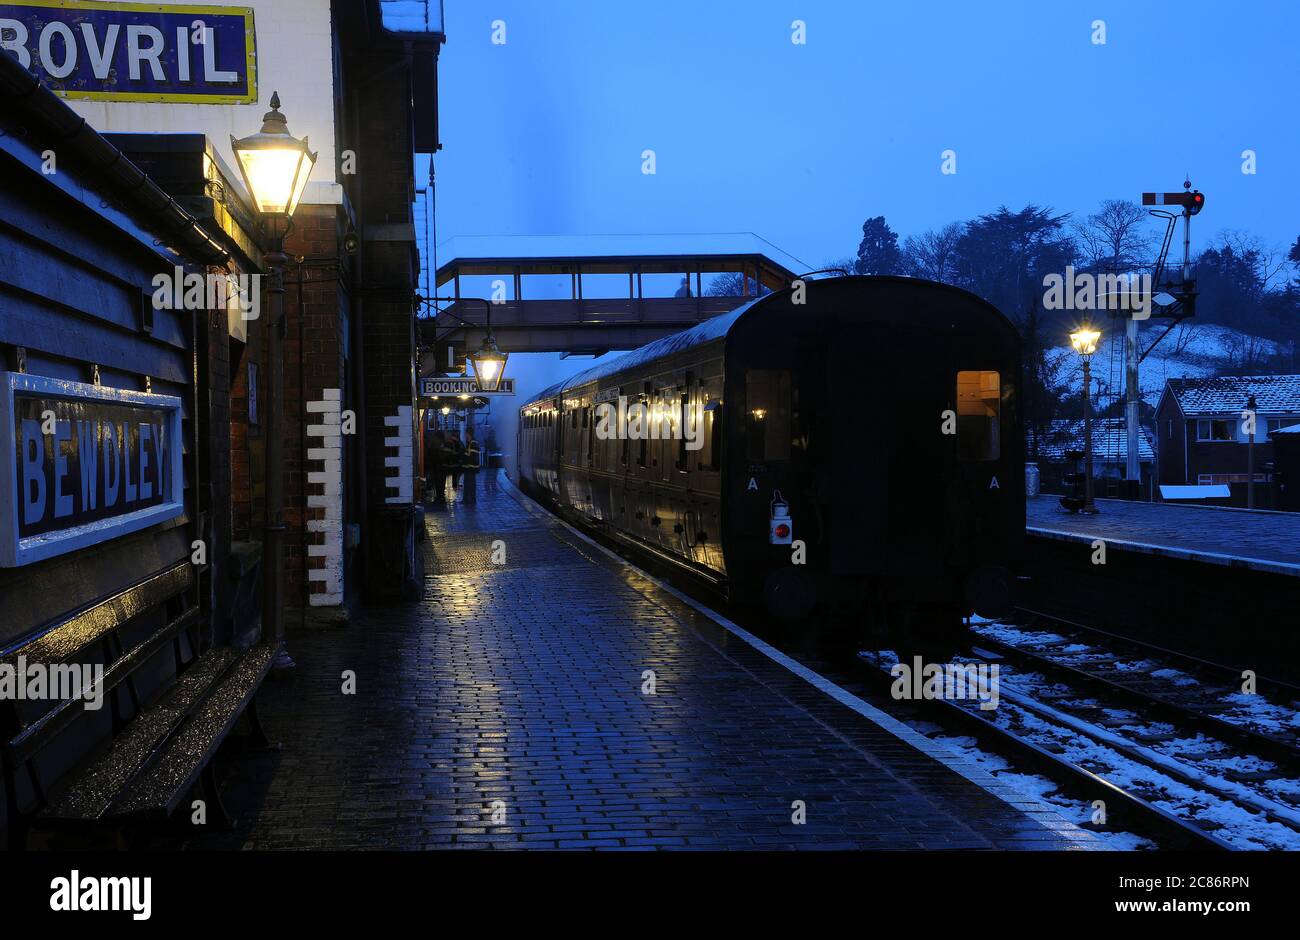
(1220, 766)
(1034, 787)
(1251, 711)
(1031, 786)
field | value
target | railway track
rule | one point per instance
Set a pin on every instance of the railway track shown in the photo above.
(1039, 752)
(1173, 730)
(1269, 718)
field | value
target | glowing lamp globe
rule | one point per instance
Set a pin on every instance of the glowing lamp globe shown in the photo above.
(275, 164)
(489, 365)
(1085, 341)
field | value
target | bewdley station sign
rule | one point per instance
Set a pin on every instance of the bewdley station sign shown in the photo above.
(135, 51)
(84, 463)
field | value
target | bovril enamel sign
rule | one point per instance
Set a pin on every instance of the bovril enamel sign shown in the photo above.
(85, 464)
(135, 51)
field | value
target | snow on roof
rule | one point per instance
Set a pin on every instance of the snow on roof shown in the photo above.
(1227, 394)
(411, 16)
(1109, 440)
(1212, 491)
(711, 329)
(465, 248)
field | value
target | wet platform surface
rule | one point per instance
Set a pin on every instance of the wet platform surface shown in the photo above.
(1267, 541)
(507, 709)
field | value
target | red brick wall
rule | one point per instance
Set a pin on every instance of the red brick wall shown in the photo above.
(313, 361)
(390, 283)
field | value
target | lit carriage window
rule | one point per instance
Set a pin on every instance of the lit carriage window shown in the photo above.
(979, 400)
(646, 412)
(591, 435)
(767, 414)
(689, 427)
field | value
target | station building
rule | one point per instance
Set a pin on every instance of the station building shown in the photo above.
(357, 78)
(134, 489)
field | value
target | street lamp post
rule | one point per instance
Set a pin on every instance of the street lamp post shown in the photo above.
(275, 166)
(1250, 453)
(1084, 341)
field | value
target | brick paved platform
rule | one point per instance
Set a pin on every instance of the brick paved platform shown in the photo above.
(522, 683)
(1266, 541)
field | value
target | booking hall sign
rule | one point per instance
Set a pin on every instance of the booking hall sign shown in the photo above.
(135, 51)
(83, 464)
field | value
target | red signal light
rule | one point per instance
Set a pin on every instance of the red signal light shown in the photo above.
(782, 530)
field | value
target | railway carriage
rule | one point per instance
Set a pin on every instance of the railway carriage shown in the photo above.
(856, 456)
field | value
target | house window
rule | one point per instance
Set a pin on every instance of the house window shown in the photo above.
(1276, 424)
(1216, 429)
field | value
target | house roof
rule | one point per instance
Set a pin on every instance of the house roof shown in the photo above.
(411, 16)
(1227, 394)
(1109, 440)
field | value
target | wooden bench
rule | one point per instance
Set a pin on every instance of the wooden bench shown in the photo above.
(159, 749)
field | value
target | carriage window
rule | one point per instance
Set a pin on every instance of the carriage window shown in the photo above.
(711, 453)
(979, 399)
(689, 427)
(646, 412)
(767, 414)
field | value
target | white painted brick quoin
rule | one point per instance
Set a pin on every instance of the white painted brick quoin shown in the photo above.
(400, 461)
(327, 451)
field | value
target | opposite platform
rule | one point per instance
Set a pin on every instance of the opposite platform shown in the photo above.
(1256, 539)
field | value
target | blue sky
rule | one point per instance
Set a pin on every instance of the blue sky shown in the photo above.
(800, 144)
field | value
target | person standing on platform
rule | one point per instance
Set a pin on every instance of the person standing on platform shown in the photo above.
(455, 459)
(435, 463)
(473, 457)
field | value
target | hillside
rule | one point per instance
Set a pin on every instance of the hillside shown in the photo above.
(1190, 350)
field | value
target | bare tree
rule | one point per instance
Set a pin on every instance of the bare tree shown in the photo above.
(933, 255)
(1113, 239)
(733, 284)
(1184, 334)
(1267, 263)
(1245, 354)
(839, 266)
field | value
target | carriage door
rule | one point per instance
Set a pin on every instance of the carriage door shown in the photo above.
(856, 430)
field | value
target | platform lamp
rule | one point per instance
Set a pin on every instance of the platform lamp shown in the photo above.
(1084, 340)
(489, 361)
(275, 166)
